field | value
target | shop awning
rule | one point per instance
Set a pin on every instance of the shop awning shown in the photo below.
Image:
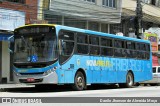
(4, 37)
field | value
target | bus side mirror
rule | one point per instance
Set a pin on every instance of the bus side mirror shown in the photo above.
(11, 44)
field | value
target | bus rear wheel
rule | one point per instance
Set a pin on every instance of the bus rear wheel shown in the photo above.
(129, 81)
(79, 82)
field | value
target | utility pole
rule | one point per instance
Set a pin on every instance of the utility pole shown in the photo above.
(139, 19)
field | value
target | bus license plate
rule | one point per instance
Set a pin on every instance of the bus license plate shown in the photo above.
(30, 79)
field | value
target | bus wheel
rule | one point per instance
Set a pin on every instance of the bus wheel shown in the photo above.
(129, 81)
(79, 82)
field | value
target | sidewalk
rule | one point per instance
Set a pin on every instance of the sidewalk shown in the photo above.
(5, 86)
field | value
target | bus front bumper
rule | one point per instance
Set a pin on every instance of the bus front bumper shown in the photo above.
(51, 78)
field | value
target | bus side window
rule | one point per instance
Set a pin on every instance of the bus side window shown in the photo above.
(94, 50)
(82, 43)
(106, 46)
(106, 42)
(66, 39)
(138, 46)
(147, 47)
(94, 45)
(94, 40)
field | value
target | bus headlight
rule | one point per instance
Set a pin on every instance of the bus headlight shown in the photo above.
(48, 72)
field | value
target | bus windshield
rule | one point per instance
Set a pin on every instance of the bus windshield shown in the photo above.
(35, 46)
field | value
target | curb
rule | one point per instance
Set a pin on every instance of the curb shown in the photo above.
(8, 86)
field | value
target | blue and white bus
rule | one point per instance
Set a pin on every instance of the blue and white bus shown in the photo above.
(56, 54)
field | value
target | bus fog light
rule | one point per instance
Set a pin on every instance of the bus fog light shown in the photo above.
(17, 74)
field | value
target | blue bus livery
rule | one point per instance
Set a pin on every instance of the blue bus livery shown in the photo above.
(56, 54)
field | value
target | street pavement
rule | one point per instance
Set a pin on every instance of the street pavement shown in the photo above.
(62, 91)
(101, 91)
(8, 86)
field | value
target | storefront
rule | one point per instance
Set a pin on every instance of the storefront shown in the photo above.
(4, 58)
(153, 38)
(9, 20)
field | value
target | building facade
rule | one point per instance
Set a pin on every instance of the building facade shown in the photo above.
(150, 19)
(86, 14)
(13, 13)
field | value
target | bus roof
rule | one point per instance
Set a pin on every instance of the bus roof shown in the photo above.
(102, 34)
(89, 32)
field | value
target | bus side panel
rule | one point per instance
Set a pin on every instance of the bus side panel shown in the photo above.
(82, 62)
(104, 69)
(122, 67)
(95, 68)
(67, 71)
(112, 74)
(61, 77)
(143, 70)
(147, 70)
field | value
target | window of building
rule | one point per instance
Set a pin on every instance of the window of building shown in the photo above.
(93, 26)
(145, 1)
(93, 1)
(53, 19)
(17, 1)
(109, 3)
(73, 22)
(153, 2)
(104, 28)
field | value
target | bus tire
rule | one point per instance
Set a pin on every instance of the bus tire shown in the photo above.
(79, 82)
(129, 81)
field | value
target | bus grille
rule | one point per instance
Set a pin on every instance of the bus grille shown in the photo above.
(40, 73)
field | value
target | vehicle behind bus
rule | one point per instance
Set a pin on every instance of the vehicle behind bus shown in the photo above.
(156, 77)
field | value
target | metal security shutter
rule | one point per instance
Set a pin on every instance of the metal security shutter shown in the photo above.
(53, 19)
(93, 26)
(104, 28)
(75, 22)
